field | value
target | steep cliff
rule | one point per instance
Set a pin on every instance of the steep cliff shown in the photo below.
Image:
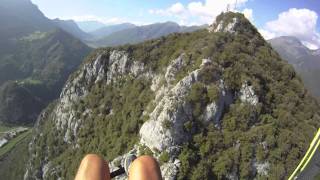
(215, 103)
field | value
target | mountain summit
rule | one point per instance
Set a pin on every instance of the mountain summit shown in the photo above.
(218, 103)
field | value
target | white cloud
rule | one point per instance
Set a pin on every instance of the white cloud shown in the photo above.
(211, 8)
(177, 8)
(267, 34)
(205, 12)
(158, 12)
(300, 23)
(310, 45)
(248, 13)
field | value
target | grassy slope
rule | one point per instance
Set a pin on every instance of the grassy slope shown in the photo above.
(13, 142)
(12, 165)
(4, 128)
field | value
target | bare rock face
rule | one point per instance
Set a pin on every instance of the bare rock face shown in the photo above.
(107, 65)
(103, 67)
(171, 110)
(248, 95)
(181, 114)
(222, 26)
(170, 170)
(262, 168)
(174, 68)
(164, 130)
(210, 112)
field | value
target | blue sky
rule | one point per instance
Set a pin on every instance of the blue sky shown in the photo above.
(272, 17)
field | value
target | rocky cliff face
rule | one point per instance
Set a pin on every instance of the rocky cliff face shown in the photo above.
(197, 102)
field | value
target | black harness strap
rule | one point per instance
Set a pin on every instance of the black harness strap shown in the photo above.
(118, 172)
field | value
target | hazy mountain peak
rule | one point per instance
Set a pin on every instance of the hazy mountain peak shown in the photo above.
(90, 26)
(107, 30)
(293, 41)
(138, 34)
(290, 46)
(23, 9)
(305, 61)
(71, 27)
(170, 22)
(16, 2)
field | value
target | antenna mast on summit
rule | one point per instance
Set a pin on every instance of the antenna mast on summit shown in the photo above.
(228, 7)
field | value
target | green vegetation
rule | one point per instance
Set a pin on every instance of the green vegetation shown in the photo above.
(317, 177)
(34, 73)
(4, 128)
(277, 130)
(164, 157)
(277, 121)
(304, 60)
(13, 142)
(13, 164)
(35, 36)
(139, 34)
(144, 150)
(110, 129)
(21, 105)
(166, 124)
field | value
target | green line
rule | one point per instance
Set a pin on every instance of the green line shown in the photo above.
(302, 162)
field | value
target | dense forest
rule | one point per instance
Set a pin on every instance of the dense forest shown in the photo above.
(271, 134)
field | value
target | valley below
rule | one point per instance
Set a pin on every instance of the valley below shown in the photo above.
(211, 101)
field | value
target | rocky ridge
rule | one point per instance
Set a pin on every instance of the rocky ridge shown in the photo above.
(166, 129)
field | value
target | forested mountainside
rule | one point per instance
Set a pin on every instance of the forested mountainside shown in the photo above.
(218, 103)
(71, 27)
(305, 61)
(34, 74)
(36, 58)
(137, 34)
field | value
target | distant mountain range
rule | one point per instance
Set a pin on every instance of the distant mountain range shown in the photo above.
(38, 54)
(36, 57)
(107, 30)
(305, 61)
(138, 34)
(21, 17)
(71, 27)
(90, 26)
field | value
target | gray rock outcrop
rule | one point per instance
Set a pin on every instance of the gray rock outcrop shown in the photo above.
(164, 130)
(248, 95)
